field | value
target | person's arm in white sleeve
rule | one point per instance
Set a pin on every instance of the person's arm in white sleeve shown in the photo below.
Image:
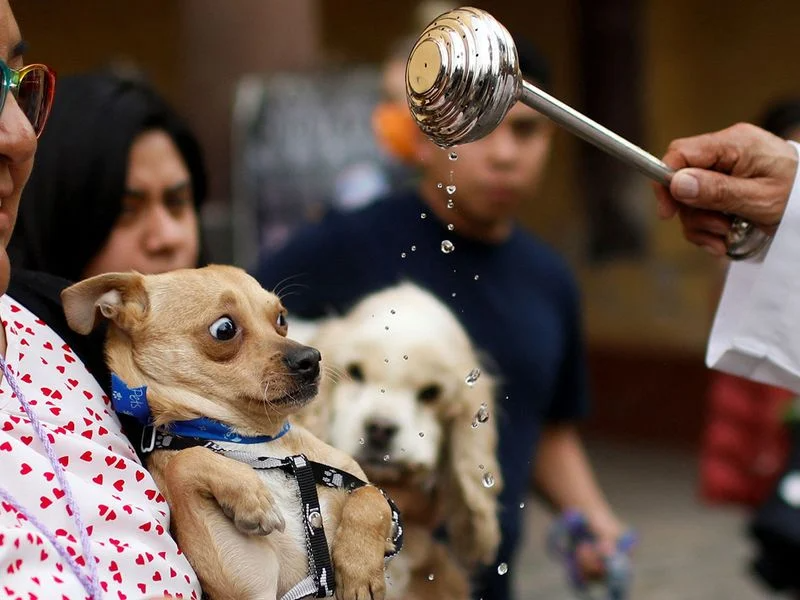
(748, 172)
(756, 332)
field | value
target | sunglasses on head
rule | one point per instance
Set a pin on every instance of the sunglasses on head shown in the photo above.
(33, 87)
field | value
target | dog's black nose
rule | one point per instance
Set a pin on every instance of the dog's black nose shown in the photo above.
(380, 433)
(303, 361)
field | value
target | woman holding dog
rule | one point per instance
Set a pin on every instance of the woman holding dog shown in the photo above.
(79, 516)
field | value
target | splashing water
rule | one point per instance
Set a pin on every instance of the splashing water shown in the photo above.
(447, 246)
(450, 227)
(450, 203)
(386, 360)
(423, 215)
(361, 441)
(450, 189)
(522, 505)
(472, 377)
(392, 311)
(440, 185)
(402, 255)
(502, 569)
(453, 156)
(421, 434)
(488, 480)
(477, 277)
(405, 356)
(386, 458)
(431, 577)
(413, 248)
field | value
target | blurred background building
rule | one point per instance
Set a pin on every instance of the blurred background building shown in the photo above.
(652, 70)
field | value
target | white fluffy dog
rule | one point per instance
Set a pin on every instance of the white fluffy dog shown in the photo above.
(400, 395)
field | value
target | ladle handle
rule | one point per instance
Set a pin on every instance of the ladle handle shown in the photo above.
(594, 133)
(743, 239)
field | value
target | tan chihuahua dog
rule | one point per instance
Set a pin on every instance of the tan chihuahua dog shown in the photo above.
(208, 349)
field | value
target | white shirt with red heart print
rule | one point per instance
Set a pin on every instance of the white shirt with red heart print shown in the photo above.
(126, 516)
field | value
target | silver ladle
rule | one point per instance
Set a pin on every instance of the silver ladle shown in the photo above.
(462, 78)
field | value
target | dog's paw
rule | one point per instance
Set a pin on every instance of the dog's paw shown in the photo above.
(356, 579)
(253, 511)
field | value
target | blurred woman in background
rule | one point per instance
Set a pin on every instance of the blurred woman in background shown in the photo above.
(116, 186)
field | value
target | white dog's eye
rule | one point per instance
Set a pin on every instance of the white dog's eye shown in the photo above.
(223, 329)
(355, 372)
(430, 393)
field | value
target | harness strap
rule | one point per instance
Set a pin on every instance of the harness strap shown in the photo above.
(320, 582)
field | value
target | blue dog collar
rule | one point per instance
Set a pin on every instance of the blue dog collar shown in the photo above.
(133, 402)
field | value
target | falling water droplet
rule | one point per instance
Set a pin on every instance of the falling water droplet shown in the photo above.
(392, 311)
(447, 246)
(431, 577)
(450, 227)
(385, 458)
(453, 295)
(472, 377)
(440, 185)
(481, 416)
(451, 189)
(386, 360)
(361, 441)
(386, 327)
(481, 467)
(421, 434)
(383, 390)
(477, 277)
(413, 248)
(453, 156)
(450, 203)
(488, 480)
(502, 569)
(522, 505)
(423, 215)
(405, 356)
(402, 255)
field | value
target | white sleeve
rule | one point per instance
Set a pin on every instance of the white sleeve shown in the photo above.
(756, 331)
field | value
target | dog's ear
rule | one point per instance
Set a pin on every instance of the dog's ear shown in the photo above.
(472, 478)
(118, 297)
(322, 335)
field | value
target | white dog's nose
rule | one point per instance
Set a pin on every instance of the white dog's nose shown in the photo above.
(379, 433)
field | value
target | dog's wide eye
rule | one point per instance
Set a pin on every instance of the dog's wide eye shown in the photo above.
(355, 372)
(429, 393)
(281, 322)
(223, 329)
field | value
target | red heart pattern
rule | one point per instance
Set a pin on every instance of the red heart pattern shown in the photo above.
(103, 472)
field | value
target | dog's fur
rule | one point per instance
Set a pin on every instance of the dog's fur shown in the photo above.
(240, 529)
(394, 397)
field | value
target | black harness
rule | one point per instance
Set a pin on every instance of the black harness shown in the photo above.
(320, 582)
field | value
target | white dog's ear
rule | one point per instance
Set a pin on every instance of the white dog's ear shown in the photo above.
(118, 297)
(472, 478)
(322, 335)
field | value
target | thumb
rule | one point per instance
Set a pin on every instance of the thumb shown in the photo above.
(711, 190)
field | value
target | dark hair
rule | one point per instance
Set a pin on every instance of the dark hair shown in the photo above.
(532, 63)
(781, 117)
(74, 195)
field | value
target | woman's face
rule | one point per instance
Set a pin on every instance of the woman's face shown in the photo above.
(17, 142)
(157, 230)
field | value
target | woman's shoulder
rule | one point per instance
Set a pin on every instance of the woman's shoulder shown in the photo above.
(40, 293)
